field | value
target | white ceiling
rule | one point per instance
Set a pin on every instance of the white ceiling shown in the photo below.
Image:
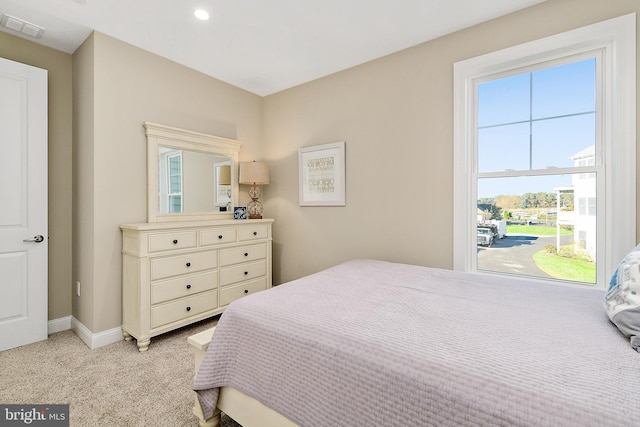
(262, 46)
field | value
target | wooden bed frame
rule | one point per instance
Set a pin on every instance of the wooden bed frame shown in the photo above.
(243, 409)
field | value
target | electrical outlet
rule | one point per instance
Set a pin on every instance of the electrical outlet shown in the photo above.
(78, 288)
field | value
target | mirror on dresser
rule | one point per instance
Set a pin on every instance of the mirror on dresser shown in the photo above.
(191, 175)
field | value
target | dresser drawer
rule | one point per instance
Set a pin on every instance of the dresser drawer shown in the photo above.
(238, 273)
(242, 254)
(183, 308)
(183, 264)
(231, 293)
(217, 236)
(254, 232)
(173, 240)
(183, 286)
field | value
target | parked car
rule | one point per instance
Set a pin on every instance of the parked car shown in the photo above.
(485, 236)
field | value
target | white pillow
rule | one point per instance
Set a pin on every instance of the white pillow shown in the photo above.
(622, 301)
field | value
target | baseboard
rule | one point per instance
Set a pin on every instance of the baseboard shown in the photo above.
(96, 340)
(59, 325)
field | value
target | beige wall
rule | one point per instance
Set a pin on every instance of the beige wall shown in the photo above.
(396, 116)
(58, 65)
(126, 86)
(83, 159)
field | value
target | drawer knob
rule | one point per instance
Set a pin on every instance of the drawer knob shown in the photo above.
(175, 241)
(188, 308)
(188, 264)
(246, 254)
(246, 273)
(246, 291)
(255, 233)
(219, 236)
(188, 286)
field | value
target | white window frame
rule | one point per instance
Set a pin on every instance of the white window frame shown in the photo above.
(616, 39)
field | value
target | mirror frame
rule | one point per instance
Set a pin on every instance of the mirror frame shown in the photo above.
(166, 136)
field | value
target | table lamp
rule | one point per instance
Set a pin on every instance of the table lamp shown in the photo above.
(254, 174)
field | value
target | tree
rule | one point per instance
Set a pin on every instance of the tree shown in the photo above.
(486, 201)
(511, 202)
(566, 201)
(496, 212)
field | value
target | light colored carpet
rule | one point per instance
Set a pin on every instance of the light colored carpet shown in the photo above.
(114, 385)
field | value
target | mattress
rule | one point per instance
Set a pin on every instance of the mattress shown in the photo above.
(376, 343)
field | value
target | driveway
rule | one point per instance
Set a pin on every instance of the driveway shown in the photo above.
(514, 254)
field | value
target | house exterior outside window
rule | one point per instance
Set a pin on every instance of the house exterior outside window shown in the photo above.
(584, 187)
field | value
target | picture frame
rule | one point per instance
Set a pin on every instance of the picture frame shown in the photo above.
(240, 212)
(322, 171)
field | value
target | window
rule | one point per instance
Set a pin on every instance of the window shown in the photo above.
(538, 130)
(530, 123)
(170, 180)
(174, 194)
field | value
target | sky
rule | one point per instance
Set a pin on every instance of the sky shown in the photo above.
(535, 120)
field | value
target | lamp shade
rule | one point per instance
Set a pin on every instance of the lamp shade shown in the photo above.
(225, 175)
(254, 173)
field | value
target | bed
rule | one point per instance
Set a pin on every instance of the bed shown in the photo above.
(376, 343)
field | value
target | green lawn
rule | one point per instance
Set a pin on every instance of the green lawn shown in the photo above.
(537, 230)
(574, 269)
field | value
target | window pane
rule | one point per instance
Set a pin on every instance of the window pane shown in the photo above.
(175, 174)
(582, 206)
(503, 147)
(537, 120)
(175, 184)
(591, 210)
(556, 142)
(531, 226)
(174, 165)
(565, 89)
(504, 100)
(175, 204)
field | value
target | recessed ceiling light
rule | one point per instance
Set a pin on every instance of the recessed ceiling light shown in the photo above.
(201, 14)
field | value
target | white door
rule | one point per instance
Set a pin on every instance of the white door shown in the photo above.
(23, 204)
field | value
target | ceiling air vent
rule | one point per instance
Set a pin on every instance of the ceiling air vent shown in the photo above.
(24, 27)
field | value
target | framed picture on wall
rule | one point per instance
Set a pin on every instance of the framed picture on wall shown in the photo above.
(322, 175)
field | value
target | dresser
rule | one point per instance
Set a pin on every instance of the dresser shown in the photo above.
(177, 273)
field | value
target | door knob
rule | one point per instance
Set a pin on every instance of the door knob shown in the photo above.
(36, 239)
